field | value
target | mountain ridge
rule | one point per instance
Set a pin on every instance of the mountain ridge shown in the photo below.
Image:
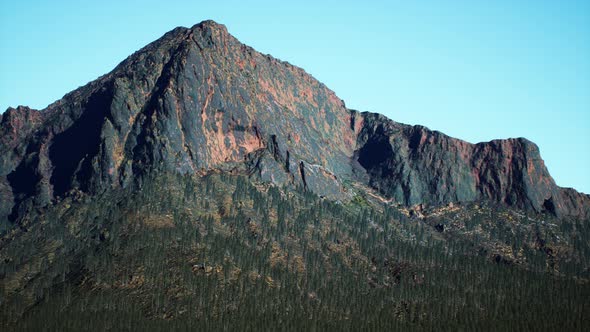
(203, 185)
(197, 99)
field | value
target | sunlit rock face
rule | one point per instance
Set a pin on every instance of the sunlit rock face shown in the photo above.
(198, 100)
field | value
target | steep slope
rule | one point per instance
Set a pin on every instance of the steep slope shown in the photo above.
(198, 100)
(202, 185)
(223, 251)
(414, 165)
(194, 100)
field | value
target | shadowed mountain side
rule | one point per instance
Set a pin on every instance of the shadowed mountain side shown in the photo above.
(415, 165)
(197, 100)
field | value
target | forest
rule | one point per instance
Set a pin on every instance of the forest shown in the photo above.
(221, 251)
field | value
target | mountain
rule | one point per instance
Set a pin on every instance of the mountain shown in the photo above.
(197, 99)
(200, 109)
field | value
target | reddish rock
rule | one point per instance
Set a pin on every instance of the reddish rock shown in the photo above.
(415, 165)
(197, 99)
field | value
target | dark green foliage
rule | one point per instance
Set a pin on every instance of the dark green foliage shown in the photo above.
(220, 252)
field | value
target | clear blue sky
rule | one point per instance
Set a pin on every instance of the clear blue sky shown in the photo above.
(476, 70)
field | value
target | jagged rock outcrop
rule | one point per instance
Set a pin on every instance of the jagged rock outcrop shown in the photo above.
(194, 100)
(415, 165)
(197, 100)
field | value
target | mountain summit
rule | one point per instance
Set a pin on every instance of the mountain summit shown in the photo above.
(202, 185)
(198, 100)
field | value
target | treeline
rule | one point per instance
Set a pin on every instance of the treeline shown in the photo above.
(223, 252)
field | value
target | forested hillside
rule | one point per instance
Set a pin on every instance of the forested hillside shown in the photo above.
(219, 251)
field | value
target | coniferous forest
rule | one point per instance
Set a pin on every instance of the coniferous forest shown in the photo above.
(203, 185)
(224, 252)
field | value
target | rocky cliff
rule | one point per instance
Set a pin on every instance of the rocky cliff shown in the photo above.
(414, 165)
(198, 100)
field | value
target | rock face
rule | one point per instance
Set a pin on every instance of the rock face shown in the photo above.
(197, 100)
(415, 165)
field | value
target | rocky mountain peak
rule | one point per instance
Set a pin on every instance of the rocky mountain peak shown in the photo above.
(197, 100)
(210, 25)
